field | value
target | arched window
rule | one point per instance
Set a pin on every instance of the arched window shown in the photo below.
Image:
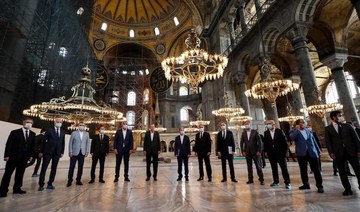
(130, 117)
(183, 91)
(131, 33)
(104, 26)
(332, 96)
(146, 96)
(184, 114)
(131, 98)
(176, 21)
(157, 31)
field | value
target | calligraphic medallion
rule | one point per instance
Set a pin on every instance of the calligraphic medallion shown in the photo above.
(158, 81)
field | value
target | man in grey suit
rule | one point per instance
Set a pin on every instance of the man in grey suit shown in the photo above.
(79, 148)
(251, 147)
(343, 145)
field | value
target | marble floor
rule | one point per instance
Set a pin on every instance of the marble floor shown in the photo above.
(169, 195)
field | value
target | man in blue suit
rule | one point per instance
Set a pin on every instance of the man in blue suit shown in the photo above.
(52, 149)
(123, 147)
(182, 152)
(307, 151)
(79, 148)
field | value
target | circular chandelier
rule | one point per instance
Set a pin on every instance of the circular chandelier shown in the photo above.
(290, 118)
(194, 65)
(80, 107)
(228, 112)
(199, 122)
(321, 109)
(191, 129)
(240, 119)
(160, 129)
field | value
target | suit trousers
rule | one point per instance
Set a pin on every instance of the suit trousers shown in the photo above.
(119, 158)
(230, 159)
(274, 161)
(95, 159)
(183, 159)
(341, 163)
(155, 160)
(38, 162)
(206, 158)
(257, 160)
(76, 158)
(54, 158)
(314, 164)
(11, 165)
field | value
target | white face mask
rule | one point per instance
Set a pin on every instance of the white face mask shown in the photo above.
(201, 129)
(269, 126)
(341, 119)
(28, 126)
(58, 124)
(124, 127)
(247, 126)
(102, 132)
(81, 128)
(223, 127)
(182, 132)
(309, 128)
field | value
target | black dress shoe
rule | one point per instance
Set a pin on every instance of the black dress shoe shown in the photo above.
(68, 184)
(3, 195)
(200, 179)
(347, 193)
(303, 187)
(320, 190)
(79, 183)
(250, 182)
(127, 180)
(178, 179)
(116, 180)
(350, 174)
(335, 174)
(234, 180)
(19, 191)
(91, 181)
(262, 183)
(187, 178)
(155, 179)
(223, 180)
(101, 181)
(209, 180)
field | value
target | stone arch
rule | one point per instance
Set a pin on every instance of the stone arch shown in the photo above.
(305, 10)
(270, 37)
(322, 37)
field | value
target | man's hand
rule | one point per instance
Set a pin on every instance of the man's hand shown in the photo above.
(258, 153)
(297, 127)
(144, 153)
(92, 154)
(131, 151)
(61, 155)
(219, 153)
(158, 152)
(209, 153)
(244, 154)
(6, 158)
(70, 154)
(358, 154)
(115, 151)
(265, 154)
(188, 156)
(86, 154)
(196, 154)
(332, 155)
(30, 159)
(40, 155)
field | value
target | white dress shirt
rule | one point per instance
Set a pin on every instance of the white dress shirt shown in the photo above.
(124, 134)
(152, 135)
(304, 134)
(24, 132)
(224, 134)
(272, 132)
(81, 134)
(336, 126)
(248, 134)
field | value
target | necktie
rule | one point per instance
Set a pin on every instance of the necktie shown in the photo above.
(339, 129)
(101, 137)
(201, 135)
(224, 134)
(57, 132)
(26, 135)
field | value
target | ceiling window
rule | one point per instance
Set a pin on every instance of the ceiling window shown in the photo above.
(42, 77)
(176, 21)
(131, 98)
(131, 33)
(63, 51)
(183, 91)
(130, 118)
(104, 26)
(80, 11)
(115, 97)
(184, 114)
(146, 96)
(157, 31)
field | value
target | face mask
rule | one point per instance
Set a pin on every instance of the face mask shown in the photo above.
(58, 125)
(341, 119)
(223, 127)
(201, 129)
(269, 126)
(247, 126)
(182, 133)
(310, 128)
(124, 127)
(28, 126)
(81, 128)
(102, 132)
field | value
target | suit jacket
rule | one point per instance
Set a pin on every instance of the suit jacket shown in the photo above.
(39, 139)
(17, 148)
(76, 143)
(348, 140)
(252, 145)
(152, 146)
(124, 145)
(305, 146)
(277, 146)
(203, 145)
(182, 150)
(222, 145)
(100, 147)
(53, 144)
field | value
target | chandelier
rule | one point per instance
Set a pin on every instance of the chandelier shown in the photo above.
(80, 107)
(194, 65)
(290, 118)
(240, 119)
(269, 88)
(191, 129)
(199, 122)
(160, 129)
(321, 109)
(228, 111)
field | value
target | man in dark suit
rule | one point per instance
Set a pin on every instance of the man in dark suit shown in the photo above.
(152, 151)
(307, 151)
(225, 147)
(182, 152)
(276, 148)
(99, 150)
(35, 152)
(123, 148)
(251, 147)
(343, 145)
(18, 152)
(52, 149)
(203, 151)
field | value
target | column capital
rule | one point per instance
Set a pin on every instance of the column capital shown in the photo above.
(335, 61)
(240, 4)
(297, 32)
(296, 79)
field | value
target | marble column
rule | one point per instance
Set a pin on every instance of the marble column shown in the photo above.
(244, 101)
(297, 35)
(241, 9)
(230, 24)
(336, 63)
(356, 4)
(296, 101)
(258, 8)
